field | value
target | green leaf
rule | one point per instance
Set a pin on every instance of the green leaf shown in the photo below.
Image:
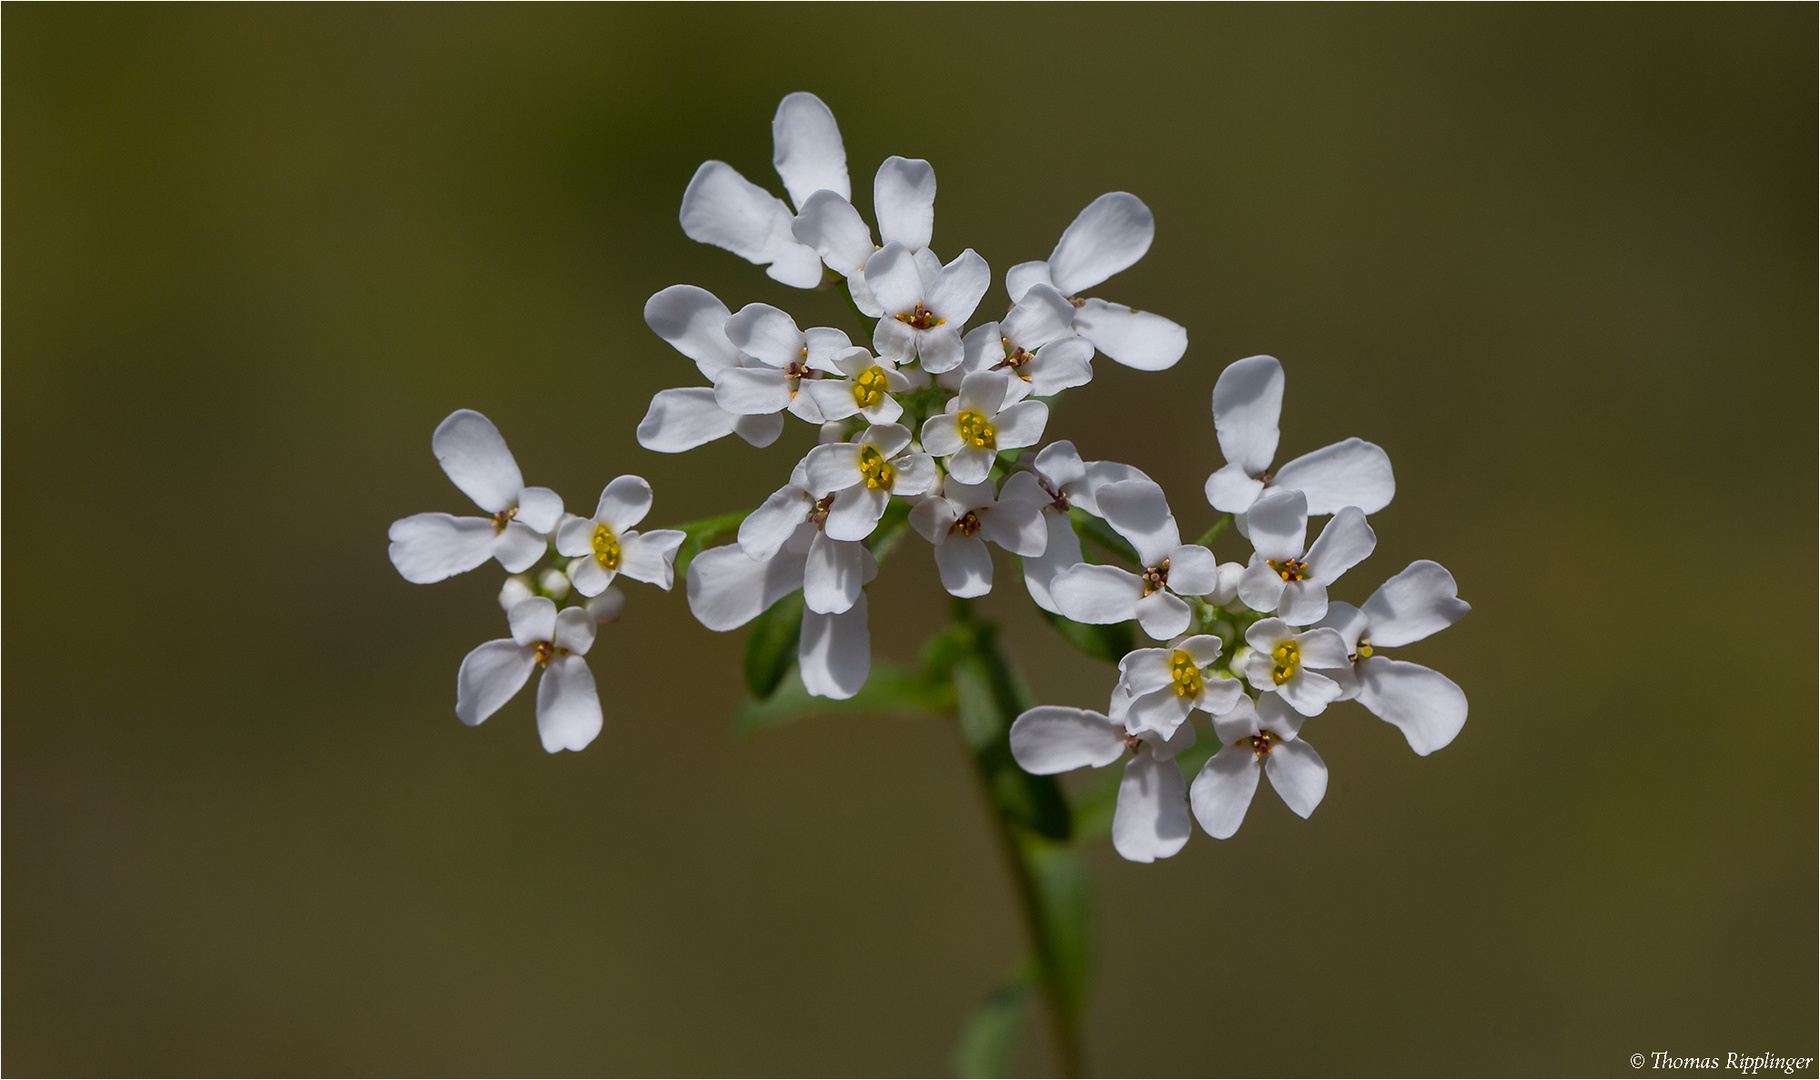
(988, 697)
(1109, 643)
(698, 535)
(1065, 898)
(771, 647)
(989, 1040)
(1102, 534)
(1213, 534)
(889, 690)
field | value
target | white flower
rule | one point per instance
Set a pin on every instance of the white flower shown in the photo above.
(1092, 593)
(921, 314)
(903, 193)
(728, 588)
(863, 475)
(979, 423)
(1165, 685)
(1284, 662)
(1151, 821)
(1247, 402)
(1057, 480)
(1256, 738)
(568, 708)
(1113, 232)
(1035, 344)
(608, 544)
(723, 208)
(793, 523)
(787, 357)
(866, 391)
(961, 519)
(1280, 577)
(430, 547)
(1427, 706)
(694, 321)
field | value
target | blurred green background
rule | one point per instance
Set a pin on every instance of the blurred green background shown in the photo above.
(1559, 262)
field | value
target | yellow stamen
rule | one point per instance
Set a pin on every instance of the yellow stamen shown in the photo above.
(606, 547)
(873, 466)
(1187, 677)
(920, 319)
(968, 524)
(1290, 569)
(869, 388)
(976, 430)
(1285, 659)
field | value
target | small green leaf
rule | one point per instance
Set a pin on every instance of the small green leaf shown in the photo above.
(771, 647)
(1213, 534)
(889, 690)
(1109, 643)
(988, 697)
(1102, 534)
(698, 535)
(989, 1040)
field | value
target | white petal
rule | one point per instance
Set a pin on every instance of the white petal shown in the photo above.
(427, 548)
(1323, 648)
(894, 340)
(723, 208)
(1151, 821)
(1247, 403)
(518, 547)
(1136, 339)
(1277, 717)
(532, 620)
(965, 565)
(568, 707)
(1019, 278)
(760, 431)
(1308, 692)
(474, 455)
(932, 518)
(829, 224)
(1084, 493)
(727, 588)
(803, 407)
(971, 464)
(834, 653)
(1298, 774)
(1218, 695)
(1427, 705)
(1017, 527)
(623, 503)
(1060, 365)
(1279, 525)
(982, 392)
(939, 348)
(1113, 232)
(1140, 512)
(1343, 544)
(1061, 464)
(834, 397)
(1226, 584)
(1232, 489)
(515, 589)
(1239, 722)
(575, 537)
(958, 289)
(768, 334)
(915, 474)
(1350, 473)
(489, 676)
(1061, 551)
(1349, 621)
(1414, 604)
(1091, 593)
(1261, 587)
(826, 349)
(766, 528)
(540, 508)
(694, 322)
(1193, 571)
(589, 577)
(1020, 425)
(903, 197)
(831, 580)
(1266, 634)
(1042, 316)
(888, 439)
(648, 557)
(574, 631)
(752, 391)
(1159, 712)
(966, 496)
(1203, 649)
(807, 150)
(892, 276)
(855, 512)
(1223, 790)
(1162, 614)
(684, 419)
(1302, 603)
(832, 467)
(1050, 739)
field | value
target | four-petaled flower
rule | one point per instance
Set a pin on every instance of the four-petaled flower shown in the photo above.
(1254, 739)
(903, 194)
(961, 519)
(862, 475)
(568, 708)
(1165, 685)
(787, 357)
(1286, 576)
(1034, 343)
(1094, 593)
(694, 321)
(609, 544)
(1056, 482)
(979, 423)
(427, 548)
(1288, 664)
(922, 312)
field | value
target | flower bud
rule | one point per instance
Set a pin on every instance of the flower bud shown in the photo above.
(606, 607)
(517, 587)
(554, 583)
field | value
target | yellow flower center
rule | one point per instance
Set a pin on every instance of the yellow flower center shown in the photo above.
(976, 430)
(1284, 660)
(869, 388)
(920, 319)
(873, 466)
(1187, 677)
(606, 547)
(1290, 569)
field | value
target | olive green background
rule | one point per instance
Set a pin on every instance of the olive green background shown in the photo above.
(1559, 262)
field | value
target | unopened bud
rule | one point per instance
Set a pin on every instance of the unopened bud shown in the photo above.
(517, 587)
(606, 607)
(554, 583)
(834, 431)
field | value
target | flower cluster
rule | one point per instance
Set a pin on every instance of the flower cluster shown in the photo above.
(523, 526)
(1258, 647)
(931, 416)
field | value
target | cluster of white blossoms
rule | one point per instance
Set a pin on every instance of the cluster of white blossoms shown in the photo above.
(938, 428)
(1258, 647)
